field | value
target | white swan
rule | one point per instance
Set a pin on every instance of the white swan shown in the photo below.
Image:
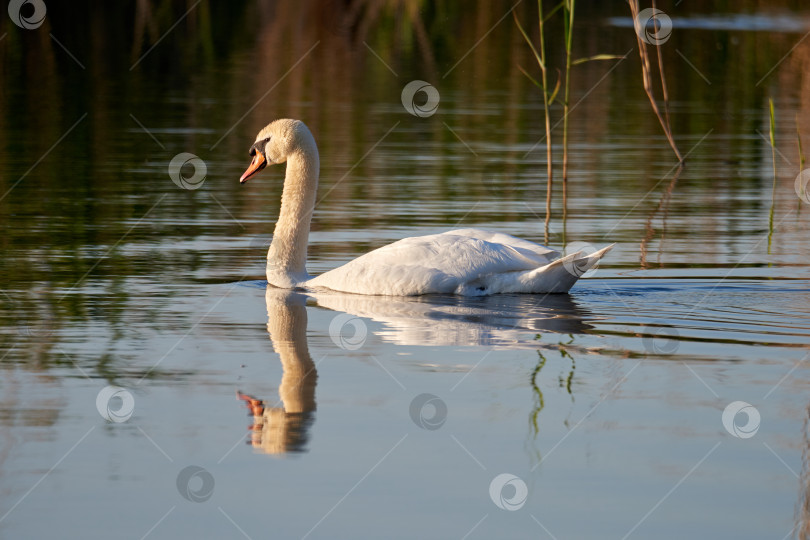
(468, 262)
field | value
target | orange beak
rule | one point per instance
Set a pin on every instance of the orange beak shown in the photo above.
(256, 165)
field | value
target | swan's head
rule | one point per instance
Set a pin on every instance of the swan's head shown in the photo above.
(278, 140)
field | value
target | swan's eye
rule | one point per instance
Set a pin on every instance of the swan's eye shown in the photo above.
(258, 146)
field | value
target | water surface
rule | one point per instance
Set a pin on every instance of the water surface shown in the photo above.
(306, 415)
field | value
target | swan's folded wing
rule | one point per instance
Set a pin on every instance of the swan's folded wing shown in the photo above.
(541, 253)
(434, 263)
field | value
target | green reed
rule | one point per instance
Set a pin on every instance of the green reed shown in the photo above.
(549, 94)
(801, 157)
(773, 161)
(548, 98)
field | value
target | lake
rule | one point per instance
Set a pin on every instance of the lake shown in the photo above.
(154, 386)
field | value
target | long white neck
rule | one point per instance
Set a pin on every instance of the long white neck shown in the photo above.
(287, 256)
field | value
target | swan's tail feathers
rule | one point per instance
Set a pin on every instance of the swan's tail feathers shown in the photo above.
(593, 259)
(560, 275)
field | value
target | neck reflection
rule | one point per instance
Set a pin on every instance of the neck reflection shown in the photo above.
(278, 430)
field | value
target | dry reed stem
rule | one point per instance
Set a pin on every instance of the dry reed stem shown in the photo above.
(647, 78)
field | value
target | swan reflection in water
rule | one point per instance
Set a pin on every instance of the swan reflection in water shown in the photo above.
(278, 430)
(502, 321)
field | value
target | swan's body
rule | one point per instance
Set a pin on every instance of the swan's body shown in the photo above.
(468, 262)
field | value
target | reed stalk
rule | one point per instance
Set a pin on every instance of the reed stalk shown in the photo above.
(664, 92)
(569, 38)
(773, 161)
(568, 7)
(548, 98)
(801, 157)
(546, 108)
(646, 77)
